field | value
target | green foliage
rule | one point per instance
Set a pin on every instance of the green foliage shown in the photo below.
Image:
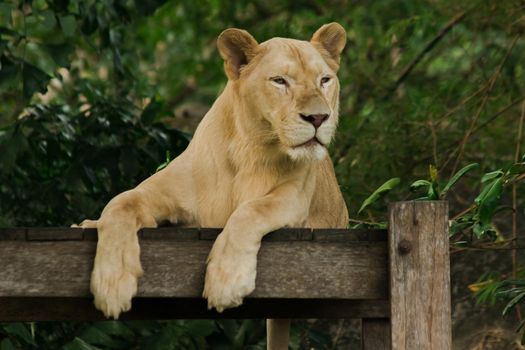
(151, 335)
(89, 91)
(433, 187)
(166, 162)
(79, 159)
(480, 215)
(382, 190)
(456, 177)
(490, 289)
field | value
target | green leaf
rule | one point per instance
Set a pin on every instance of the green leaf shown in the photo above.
(20, 331)
(458, 227)
(491, 175)
(166, 163)
(230, 329)
(147, 7)
(8, 71)
(60, 53)
(6, 344)
(433, 192)
(201, 328)
(5, 11)
(383, 189)
(457, 176)
(480, 229)
(9, 32)
(517, 168)
(94, 335)
(521, 326)
(34, 80)
(513, 303)
(490, 200)
(152, 111)
(68, 25)
(79, 344)
(419, 183)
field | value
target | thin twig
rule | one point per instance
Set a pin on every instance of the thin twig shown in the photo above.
(517, 179)
(434, 141)
(338, 333)
(474, 120)
(428, 47)
(344, 149)
(461, 104)
(363, 222)
(495, 116)
(499, 113)
(463, 212)
(515, 203)
(458, 250)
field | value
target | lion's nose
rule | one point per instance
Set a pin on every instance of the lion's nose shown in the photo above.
(315, 119)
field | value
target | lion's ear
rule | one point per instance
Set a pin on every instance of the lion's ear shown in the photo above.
(237, 47)
(330, 40)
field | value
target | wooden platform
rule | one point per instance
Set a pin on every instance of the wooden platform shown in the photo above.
(397, 282)
(302, 273)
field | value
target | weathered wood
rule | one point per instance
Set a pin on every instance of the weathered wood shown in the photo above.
(176, 269)
(375, 334)
(302, 273)
(22, 309)
(419, 275)
(41, 265)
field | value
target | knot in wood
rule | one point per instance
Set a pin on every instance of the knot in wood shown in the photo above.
(404, 247)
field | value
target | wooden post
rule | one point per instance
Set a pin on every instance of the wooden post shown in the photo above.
(419, 276)
(375, 334)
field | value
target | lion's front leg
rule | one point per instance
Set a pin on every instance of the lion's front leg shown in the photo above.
(231, 270)
(117, 267)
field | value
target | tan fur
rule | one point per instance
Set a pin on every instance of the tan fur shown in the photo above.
(245, 169)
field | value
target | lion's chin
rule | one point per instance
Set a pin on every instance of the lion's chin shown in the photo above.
(309, 152)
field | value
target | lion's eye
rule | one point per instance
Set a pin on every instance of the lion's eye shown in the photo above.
(325, 80)
(279, 80)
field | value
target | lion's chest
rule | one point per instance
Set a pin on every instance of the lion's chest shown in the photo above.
(226, 193)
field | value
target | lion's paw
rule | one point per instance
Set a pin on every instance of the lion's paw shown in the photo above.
(230, 275)
(114, 281)
(86, 224)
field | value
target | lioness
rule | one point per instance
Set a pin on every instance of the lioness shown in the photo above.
(257, 162)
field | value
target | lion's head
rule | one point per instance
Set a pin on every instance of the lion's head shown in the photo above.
(289, 88)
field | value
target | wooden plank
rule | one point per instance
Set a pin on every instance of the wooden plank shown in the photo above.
(54, 234)
(45, 275)
(375, 334)
(290, 269)
(420, 275)
(175, 233)
(170, 234)
(13, 234)
(20, 309)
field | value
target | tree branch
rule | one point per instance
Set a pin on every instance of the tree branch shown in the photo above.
(428, 47)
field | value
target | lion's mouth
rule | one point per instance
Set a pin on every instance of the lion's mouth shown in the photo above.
(310, 143)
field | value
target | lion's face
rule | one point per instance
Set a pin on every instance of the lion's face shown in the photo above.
(292, 87)
(297, 93)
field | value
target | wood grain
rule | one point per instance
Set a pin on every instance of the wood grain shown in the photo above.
(22, 309)
(41, 266)
(375, 334)
(420, 275)
(176, 269)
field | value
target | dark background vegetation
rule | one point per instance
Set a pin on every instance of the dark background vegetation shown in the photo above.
(94, 94)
